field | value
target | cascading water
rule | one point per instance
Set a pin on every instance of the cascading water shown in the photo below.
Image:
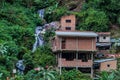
(41, 29)
(38, 38)
(41, 13)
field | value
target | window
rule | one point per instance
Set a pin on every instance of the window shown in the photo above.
(84, 57)
(68, 21)
(108, 65)
(97, 39)
(68, 56)
(68, 28)
(104, 37)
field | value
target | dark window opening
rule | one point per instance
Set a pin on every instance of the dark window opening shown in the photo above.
(104, 37)
(97, 39)
(85, 70)
(84, 57)
(96, 65)
(68, 21)
(68, 56)
(63, 43)
(108, 65)
(103, 47)
(68, 28)
(69, 68)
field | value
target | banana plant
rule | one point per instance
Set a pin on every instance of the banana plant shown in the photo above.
(106, 76)
(3, 49)
(42, 74)
(1, 75)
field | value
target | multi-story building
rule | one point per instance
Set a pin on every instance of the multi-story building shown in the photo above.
(74, 49)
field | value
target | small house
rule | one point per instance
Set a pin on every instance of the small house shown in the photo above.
(105, 64)
(103, 41)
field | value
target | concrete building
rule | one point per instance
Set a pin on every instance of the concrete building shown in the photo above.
(103, 41)
(105, 64)
(103, 44)
(74, 49)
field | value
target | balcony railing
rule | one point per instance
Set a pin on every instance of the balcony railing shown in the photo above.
(74, 63)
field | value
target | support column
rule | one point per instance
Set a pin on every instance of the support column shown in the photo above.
(77, 60)
(60, 63)
(92, 66)
(60, 55)
(77, 53)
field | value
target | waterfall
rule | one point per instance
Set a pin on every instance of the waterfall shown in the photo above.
(41, 13)
(41, 29)
(38, 38)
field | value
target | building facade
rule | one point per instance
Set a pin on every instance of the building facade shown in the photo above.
(103, 44)
(74, 49)
(103, 41)
(105, 64)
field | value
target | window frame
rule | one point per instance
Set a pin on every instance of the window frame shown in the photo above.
(68, 20)
(67, 28)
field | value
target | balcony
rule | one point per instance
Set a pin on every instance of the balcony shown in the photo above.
(74, 63)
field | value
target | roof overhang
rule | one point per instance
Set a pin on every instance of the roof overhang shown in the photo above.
(103, 44)
(83, 51)
(104, 60)
(76, 34)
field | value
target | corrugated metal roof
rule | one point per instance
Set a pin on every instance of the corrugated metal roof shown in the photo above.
(104, 60)
(75, 34)
(103, 44)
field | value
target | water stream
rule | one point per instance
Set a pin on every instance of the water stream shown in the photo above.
(38, 38)
(41, 13)
(40, 30)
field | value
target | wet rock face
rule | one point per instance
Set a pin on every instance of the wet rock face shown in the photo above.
(20, 66)
(72, 5)
(55, 25)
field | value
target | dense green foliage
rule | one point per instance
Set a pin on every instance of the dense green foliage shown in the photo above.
(42, 74)
(51, 74)
(113, 75)
(107, 76)
(18, 19)
(74, 75)
(102, 14)
(93, 20)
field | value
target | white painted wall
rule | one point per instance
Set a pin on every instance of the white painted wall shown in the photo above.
(101, 39)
